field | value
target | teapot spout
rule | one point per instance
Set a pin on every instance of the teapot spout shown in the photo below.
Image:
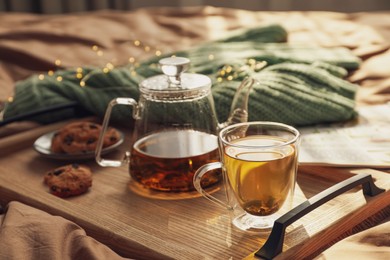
(239, 108)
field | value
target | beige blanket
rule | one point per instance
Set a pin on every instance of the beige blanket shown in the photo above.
(29, 233)
(38, 44)
(32, 44)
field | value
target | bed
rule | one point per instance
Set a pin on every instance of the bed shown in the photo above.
(40, 45)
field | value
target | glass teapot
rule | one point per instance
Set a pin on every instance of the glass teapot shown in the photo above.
(175, 130)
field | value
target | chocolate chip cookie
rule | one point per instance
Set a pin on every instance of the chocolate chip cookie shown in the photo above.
(69, 180)
(81, 137)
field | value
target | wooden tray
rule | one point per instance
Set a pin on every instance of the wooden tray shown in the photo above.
(182, 226)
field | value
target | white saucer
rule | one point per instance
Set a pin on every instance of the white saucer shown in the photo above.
(42, 146)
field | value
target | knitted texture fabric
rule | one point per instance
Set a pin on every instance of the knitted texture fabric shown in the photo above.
(301, 85)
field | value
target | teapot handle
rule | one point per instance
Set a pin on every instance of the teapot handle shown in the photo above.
(99, 147)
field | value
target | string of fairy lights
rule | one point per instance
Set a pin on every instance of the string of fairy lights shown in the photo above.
(227, 72)
(109, 66)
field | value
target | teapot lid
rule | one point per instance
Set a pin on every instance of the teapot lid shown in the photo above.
(174, 80)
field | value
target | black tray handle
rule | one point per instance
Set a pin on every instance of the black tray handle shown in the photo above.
(274, 244)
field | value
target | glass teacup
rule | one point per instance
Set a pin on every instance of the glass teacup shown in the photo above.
(259, 162)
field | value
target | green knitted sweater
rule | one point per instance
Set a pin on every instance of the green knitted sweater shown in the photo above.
(301, 85)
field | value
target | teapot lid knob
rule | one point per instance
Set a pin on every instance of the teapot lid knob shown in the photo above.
(173, 67)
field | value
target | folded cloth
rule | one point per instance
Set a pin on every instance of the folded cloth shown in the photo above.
(302, 85)
(29, 233)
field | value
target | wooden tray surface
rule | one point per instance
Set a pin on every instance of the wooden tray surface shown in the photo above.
(181, 226)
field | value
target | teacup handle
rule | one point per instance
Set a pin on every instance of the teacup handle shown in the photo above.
(198, 177)
(106, 120)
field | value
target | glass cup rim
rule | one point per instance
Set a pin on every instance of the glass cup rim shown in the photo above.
(269, 123)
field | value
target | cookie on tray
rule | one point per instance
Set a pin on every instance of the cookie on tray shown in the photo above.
(69, 180)
(81, 137)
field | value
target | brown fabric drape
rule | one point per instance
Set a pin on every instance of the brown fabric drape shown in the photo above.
(32, 43)
(28, 233)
